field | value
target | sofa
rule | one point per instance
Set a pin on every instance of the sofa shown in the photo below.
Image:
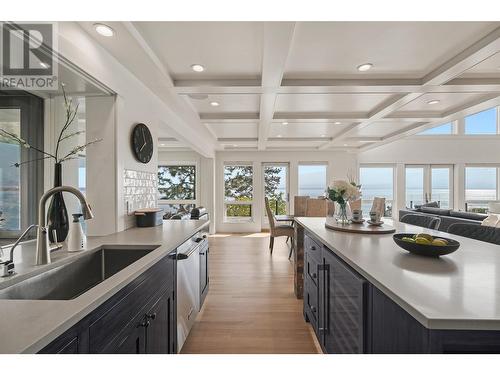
(447, 216)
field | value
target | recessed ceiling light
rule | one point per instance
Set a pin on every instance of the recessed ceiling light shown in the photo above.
(434, 101)
(345, 144)
(214, 104)
(279, 136)
(323, 136)
(365, 67)
(162, 144)
(337, 123)
(284, 123)
(44, 65)
(103, 29)
(235, 145)
(197, 68)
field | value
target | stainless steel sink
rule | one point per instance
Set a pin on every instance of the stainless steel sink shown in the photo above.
(72, 279)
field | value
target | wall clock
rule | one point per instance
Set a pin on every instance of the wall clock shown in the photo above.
(142, 143)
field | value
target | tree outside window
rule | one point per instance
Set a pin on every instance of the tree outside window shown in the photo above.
(177, 182)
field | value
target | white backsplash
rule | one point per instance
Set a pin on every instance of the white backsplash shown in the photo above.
(140, 191)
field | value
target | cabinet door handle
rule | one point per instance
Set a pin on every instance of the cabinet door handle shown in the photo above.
(313, 309)
(151, 316)
(202, 253)
(313, 247)
(145, 323)
(314, 275)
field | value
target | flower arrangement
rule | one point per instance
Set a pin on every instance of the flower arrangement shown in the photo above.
(64, 134)
(342, 192)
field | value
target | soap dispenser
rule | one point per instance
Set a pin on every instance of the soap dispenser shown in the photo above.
(76, 238)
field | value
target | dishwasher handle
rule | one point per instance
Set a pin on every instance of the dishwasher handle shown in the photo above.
(182, 256)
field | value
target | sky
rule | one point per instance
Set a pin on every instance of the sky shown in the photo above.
(484, 122)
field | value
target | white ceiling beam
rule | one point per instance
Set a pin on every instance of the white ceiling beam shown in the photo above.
(386, 108)
(192, 135)
(417, 128)
(230, 116)
(339, 86)
(278, 37)
(471, 56)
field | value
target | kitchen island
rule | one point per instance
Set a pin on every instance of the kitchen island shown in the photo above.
(29, 325)
(363, 293)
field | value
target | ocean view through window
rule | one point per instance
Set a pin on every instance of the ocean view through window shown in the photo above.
(480, 187)
(312, 180)
(376, 182)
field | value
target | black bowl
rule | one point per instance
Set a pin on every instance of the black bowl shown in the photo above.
(426, 250)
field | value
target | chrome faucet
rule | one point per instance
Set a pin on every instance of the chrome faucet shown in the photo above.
(42, 238)
(7, 267)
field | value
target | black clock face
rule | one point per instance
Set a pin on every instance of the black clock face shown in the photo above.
(142, 143)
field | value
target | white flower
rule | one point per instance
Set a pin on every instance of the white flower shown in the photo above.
(344, 188)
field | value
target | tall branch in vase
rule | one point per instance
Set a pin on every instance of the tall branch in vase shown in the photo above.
(57, 215)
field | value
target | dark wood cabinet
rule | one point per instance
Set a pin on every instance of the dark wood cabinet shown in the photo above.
(351, 315)
(334, 300)
(343, 305)
(160, 330)
(140, 318)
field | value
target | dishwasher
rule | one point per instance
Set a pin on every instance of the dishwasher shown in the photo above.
(188, 287)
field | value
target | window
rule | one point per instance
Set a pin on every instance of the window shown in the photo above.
(439, 130)
(312, 180)
(20, 188)
(238, 192)
(177, 183)
(480, 188)
(426, 183)
(276, 187)
(484, 122)
(10, 176)
(376, 182)
(441, 182)
(414, 181)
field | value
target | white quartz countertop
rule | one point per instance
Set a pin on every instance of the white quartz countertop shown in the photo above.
(27, 326)
(457, 291)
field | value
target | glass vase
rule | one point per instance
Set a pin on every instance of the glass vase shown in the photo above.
(57, 215)
(342, 213)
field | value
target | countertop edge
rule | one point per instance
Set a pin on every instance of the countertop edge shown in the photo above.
(427, 322)
(39, 344)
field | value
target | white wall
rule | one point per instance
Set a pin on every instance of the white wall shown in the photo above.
(456, 150)
(134, 103)
(340, 164)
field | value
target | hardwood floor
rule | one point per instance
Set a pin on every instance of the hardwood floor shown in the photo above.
(250, 307)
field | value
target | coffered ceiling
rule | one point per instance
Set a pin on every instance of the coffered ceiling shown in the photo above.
(296, 85)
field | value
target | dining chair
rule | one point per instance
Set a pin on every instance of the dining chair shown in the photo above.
(421, 221)
(300, 205)
(278, 230)
(476, 232)
(379, 206)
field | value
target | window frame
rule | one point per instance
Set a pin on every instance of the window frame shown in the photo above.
(196, 182)
(312, 163)
(32, 130)
(251, 203)
(497, 180)
(427, 181)
(394, 181)
(497, 123)
(453, 124)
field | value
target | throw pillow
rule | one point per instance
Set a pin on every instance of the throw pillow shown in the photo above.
(491, 221)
